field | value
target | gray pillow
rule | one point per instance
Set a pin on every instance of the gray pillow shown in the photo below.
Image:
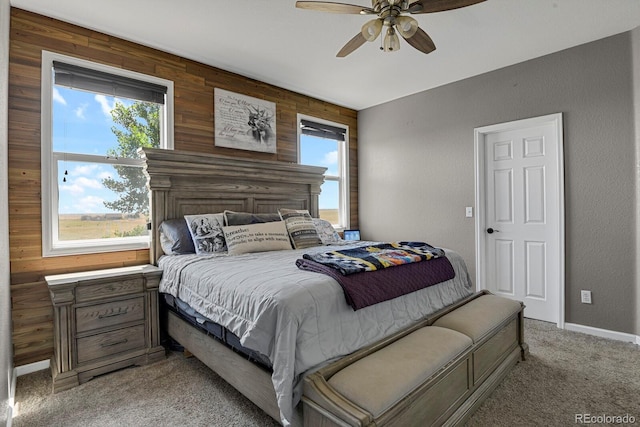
(243, 218)
(175, 237)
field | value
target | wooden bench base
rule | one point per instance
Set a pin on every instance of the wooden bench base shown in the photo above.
(449, 396)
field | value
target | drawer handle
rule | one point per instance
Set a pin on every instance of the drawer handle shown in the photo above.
(114, 343)
(119, 313)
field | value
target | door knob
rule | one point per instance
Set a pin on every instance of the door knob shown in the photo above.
(491, 230)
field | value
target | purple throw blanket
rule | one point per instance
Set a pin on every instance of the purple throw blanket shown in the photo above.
(368, 288)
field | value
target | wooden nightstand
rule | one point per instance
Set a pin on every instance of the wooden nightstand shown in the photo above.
(103, 320)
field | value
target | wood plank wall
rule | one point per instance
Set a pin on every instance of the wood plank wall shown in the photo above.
(194, 131)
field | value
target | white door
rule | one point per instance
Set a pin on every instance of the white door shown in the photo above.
(520, 223)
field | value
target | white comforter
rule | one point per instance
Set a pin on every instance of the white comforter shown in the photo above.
(299, 319)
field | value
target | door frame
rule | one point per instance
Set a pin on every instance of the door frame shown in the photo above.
(480, 194)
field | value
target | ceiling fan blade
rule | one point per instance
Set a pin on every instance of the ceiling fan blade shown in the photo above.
(421, 41)
(357, 41)
(432, 6)
(331, 7)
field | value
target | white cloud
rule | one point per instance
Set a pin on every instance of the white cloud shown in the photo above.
(74, 189)
(331, 158)
(79, 185)
(88, 183)
(58, 98)
(85, 170)
(80, 111)
(89, 204)
(104, 105)
(104, 175)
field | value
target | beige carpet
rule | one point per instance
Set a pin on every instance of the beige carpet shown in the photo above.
(566, 374)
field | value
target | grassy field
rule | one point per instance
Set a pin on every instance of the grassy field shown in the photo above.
(72, 227)
(330, 215)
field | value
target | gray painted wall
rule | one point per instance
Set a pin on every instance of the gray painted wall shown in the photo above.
(416, 166)
(6, 365)
(635, 44)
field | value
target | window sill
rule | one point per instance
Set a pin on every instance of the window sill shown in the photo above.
(93, 247)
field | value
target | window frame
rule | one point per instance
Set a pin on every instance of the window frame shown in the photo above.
(51, 246)
(343, 169)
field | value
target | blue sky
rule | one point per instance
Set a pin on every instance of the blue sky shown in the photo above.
(322, 152)
(82, 121)
(82, 124)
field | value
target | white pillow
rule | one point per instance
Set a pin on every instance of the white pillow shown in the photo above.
(300, 227)
(206, 233)
(261, 237)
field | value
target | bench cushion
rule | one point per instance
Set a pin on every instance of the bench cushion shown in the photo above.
(378, 381)
(478, 317)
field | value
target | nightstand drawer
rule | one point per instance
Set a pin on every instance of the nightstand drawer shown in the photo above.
(109, 314)
(111, 288)
(108, 343)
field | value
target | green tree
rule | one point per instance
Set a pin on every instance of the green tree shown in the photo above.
(139, 126)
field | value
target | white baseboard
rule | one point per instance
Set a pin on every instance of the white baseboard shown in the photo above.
(604, 333)
(18, 371)
(9, 415)
(12, 399)
(31, 367)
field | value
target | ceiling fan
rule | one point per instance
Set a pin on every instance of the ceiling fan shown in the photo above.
(391, 14)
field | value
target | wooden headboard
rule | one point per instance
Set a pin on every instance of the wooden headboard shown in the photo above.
(184, 183)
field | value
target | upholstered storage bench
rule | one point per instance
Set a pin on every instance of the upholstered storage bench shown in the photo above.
(436, 372)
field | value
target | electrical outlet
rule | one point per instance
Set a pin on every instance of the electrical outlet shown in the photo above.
(585, 297)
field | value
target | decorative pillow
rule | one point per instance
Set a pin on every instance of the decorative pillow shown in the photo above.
(241, 218)
(175, 237)
(325, 230)
(206, 232)
(262, 237)
(300, 227)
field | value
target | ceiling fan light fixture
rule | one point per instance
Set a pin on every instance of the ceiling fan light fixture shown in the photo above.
(391, 41)
(391, 14)
(406, 26)
(372, 29)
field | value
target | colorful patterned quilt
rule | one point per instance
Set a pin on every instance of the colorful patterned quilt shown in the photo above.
(376, 257)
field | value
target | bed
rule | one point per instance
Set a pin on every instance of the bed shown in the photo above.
(294, 321)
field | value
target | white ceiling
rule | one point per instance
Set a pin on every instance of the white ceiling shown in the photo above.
(272, 41)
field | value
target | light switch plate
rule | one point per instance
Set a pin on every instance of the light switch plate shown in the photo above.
(469, 212)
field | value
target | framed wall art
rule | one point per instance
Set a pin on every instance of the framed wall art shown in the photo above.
(243, 122)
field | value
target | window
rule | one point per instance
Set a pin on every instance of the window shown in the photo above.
(323, 143)
(94, 118)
